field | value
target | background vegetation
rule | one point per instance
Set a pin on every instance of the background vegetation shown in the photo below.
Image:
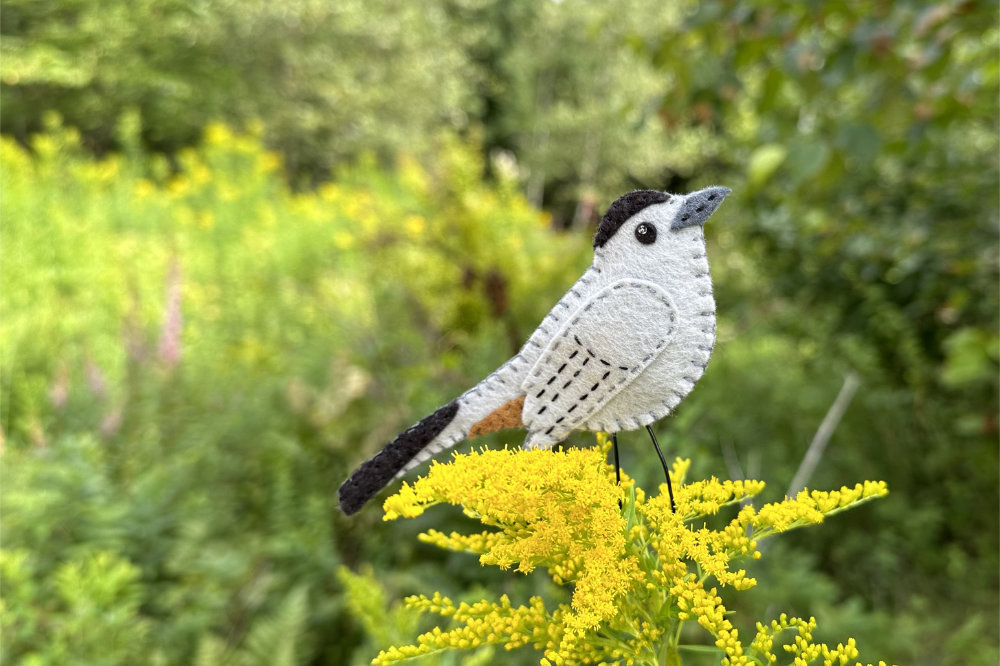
(246, 243)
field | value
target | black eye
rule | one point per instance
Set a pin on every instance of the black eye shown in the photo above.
(645, 233)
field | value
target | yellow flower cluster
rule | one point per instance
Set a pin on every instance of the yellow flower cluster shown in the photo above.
(802, 647)
(564, 517)
(638, 569)
(482, 623)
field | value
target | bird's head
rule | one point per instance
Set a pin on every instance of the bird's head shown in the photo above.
(649, 231)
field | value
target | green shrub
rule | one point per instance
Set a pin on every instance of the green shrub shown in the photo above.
(188, 374)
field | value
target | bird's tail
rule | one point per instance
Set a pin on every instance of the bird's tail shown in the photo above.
(375, 473)
(489, 407)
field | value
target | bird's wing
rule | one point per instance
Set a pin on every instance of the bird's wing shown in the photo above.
(597, 353)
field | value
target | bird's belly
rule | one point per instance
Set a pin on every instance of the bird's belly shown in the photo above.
(661, 386)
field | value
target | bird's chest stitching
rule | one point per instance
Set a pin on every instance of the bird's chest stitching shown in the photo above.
(565, 390)
(603, 347)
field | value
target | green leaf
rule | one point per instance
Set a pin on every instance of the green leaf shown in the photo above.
(764, 161)
(859, 142)
(806, 157)
(971, 356)
(275, 639)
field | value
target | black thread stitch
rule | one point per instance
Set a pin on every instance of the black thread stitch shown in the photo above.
(376, 472)
(612, 389)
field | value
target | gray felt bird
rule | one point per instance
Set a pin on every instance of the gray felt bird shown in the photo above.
(619, 351)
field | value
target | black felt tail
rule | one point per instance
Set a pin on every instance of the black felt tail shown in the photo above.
(375, 473)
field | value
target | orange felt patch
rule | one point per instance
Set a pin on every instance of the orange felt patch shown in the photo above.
(507, 415)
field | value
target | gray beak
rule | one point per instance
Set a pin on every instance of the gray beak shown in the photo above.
(698, 206)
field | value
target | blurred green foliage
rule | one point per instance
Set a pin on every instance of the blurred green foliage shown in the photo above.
(187, 361)
(195, 352)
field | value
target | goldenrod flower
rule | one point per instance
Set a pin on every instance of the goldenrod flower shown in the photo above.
(638, 572)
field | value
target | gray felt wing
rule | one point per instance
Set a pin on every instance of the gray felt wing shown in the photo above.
(598, 352)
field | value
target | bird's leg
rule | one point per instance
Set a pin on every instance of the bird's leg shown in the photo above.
(618, 469)
(663, 462)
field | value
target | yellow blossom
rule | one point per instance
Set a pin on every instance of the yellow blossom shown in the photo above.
(218, 134)
(268, 162)
(143, 188)
(639, 569)
(414, 224)
(179, 185)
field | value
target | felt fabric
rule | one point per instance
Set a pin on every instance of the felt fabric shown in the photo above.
(620, 349)
(698, 206)
(507, 415)
(623, 208)
(598, 352)
(375, 473)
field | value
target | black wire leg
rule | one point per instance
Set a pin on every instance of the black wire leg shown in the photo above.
(666, 472)
(618, 470)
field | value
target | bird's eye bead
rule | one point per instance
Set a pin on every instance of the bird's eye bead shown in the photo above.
(645, 233)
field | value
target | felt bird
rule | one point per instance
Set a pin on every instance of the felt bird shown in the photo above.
(619, 351)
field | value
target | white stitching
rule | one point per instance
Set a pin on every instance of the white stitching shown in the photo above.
(530, 385)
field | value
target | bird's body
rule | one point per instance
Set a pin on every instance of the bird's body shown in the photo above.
(619, 351)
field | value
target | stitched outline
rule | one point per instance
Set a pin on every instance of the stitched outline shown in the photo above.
(666, 405)
(632, 372)
(700, 362)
